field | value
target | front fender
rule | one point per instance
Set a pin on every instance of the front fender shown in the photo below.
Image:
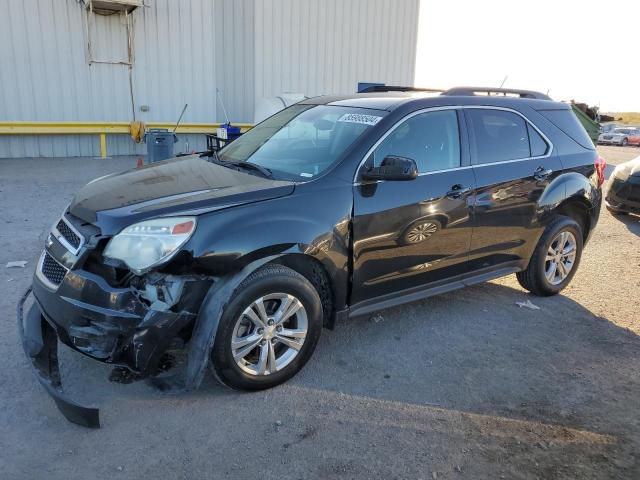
(315, 223)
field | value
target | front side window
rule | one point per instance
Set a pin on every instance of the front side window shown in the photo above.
(302, 141)
(431, 139)
(499, 135)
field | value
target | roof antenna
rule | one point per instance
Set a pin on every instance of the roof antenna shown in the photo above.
(505, 79)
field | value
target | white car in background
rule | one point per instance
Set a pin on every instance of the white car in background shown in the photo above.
(621, 136)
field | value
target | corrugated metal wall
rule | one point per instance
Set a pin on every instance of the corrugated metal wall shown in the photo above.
(317, 47)
(183, 50)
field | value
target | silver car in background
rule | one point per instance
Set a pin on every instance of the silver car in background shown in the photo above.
(620, 136)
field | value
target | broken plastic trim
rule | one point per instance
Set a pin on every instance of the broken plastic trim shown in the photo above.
(40, 344)
(204, 331)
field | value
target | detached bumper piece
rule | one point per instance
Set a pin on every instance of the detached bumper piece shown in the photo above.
(40, 344)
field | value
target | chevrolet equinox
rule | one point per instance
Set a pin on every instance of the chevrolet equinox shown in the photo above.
(335, 207)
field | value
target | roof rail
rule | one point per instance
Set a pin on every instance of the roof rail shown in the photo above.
(392, 88)
(472, 91)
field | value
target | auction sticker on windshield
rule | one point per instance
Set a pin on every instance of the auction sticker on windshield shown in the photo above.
(360, 118)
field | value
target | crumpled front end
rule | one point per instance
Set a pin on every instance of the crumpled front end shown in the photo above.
(132, 322)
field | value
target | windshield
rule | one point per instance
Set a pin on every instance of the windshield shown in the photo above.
(301, 141)
(622, 130)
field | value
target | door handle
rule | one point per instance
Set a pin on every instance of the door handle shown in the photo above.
(457, 191)
(542, 173)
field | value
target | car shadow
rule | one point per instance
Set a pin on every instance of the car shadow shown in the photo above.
(631, 221)
(555, 386)
(474, 357)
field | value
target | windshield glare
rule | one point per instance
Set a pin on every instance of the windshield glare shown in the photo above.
(301, 141)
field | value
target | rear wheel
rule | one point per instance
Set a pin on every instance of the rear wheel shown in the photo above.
(555, 259)
(268, 330)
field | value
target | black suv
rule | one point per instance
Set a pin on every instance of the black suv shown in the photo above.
(334, 207)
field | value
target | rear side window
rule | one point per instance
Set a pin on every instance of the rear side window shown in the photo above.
(499, 135)
(567, 121)
(538, 146)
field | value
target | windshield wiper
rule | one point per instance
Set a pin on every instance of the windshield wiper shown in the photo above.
(265, 172)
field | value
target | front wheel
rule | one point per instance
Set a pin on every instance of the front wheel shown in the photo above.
(268, 330)
(555, 259)
(625, 142)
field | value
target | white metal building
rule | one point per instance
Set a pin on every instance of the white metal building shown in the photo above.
(62, 62)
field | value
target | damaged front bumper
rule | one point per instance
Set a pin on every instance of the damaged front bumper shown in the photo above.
(40, 344)
(118, 326)
(126, 327)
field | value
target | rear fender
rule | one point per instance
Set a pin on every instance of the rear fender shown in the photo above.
(566, 188)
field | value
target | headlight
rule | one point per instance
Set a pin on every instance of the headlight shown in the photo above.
(144, 245)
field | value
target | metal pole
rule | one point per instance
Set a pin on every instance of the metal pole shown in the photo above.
(224, 110)
(180, 118)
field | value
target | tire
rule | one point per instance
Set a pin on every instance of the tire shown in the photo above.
(534, 277)
(624, 142)
(269, 281)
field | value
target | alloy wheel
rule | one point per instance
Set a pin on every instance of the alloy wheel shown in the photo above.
(269, 334)
(561, 257)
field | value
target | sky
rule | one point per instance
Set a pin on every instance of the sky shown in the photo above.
(585, 50)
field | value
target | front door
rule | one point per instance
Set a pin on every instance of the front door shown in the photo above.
(415, 233)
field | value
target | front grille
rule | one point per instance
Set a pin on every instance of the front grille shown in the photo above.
(69, 235)
(52, 270)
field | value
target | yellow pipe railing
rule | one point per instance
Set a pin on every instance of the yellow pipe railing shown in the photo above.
(103, 128)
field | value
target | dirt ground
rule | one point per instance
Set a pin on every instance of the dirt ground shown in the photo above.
(464, 385)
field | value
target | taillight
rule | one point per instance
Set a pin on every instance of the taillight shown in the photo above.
(600, 165)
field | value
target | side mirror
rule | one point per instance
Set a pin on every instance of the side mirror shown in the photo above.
(393, 168)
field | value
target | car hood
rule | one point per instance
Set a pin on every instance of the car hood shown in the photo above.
(182, 186)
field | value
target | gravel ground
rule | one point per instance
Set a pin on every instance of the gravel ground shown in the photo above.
(464, 385)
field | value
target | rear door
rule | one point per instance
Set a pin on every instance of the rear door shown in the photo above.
(513, 164)
(408, 234)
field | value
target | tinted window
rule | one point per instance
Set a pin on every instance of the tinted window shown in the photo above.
(567, 121)
(499, 135)
(536, 142)
(431, 139)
